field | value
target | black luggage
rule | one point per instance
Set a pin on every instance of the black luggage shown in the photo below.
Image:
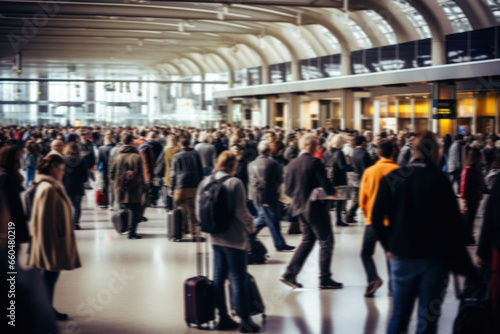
(256, 303)
(121, 221)
(474, 311)
(256, 251)
(199, 299)
(174, 225)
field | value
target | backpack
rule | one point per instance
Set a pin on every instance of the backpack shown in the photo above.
(128, 178)
(213, 207)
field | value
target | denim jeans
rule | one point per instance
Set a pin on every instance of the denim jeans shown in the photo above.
(355, 203)
(76, 200)
(30, 175)
(425, 279)
(231, 261)
(370, 239)
(268, 216)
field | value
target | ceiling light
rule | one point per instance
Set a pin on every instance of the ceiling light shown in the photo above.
(299, 19)
(225, 8)
(140, 42)
(181, 26)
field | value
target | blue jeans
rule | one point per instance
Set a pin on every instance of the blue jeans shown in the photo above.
(76, 200)
(268, 216)
(30, 175)
(425, 279)
(231, 261)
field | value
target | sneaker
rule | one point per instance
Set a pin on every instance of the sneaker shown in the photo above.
(227, 324)
(248, 327)
(77, 227)
(372, 287)
(143, 219)
(330, 284)
(291, 281)
(200, 239)
(294, 232)
(341, 223)
(285, 248)
(350, 219)
(134, 236)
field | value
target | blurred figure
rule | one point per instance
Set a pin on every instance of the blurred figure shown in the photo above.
(103, 159)
(53, 244)
(292, 151)
(57, 147)
(367, 194)
(171, 149)
(126, 172)
(11, 187)
(208, 153)
(455, 161)
(424, 236)
(74, 179)
(336, 169)
(186, 174)
(470, 191)
(30, 160)
(406, 153)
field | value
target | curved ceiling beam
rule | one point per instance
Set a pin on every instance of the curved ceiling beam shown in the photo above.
(224, 58)
(318, 40)
(439, 25)
(478, 12)
(370, 28)
(403, 28)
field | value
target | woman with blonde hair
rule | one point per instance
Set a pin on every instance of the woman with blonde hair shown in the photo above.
(336, 168)
(171, 149)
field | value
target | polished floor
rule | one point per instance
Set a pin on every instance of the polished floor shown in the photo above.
(135, 286)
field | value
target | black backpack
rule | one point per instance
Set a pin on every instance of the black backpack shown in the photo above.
(28, 197)
(213, 207)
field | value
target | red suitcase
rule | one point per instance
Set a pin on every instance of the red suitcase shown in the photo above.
(199, 299)
(101, 198)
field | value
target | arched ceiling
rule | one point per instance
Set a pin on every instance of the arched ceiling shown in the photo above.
(193, 37)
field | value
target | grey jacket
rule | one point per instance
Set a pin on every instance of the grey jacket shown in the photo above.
(265, 175)
(241, 224)
(455, 157)
(405, 156)
(186, 170)
(208, 154)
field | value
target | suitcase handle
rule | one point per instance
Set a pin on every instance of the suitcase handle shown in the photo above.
(199, 255)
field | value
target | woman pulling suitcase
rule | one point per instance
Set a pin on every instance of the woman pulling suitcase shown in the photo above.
(230, 248)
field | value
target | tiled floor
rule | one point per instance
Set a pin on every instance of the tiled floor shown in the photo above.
(135, 286)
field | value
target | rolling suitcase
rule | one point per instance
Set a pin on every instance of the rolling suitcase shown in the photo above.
(199, 299)
(121, 221)
(174, 225)
(101, 198)
(256, 303)
(256, 252)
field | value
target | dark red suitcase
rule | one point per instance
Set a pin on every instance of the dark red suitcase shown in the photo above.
(101, 198)
(199, 301)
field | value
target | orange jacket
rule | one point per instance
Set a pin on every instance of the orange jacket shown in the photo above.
(368, 187)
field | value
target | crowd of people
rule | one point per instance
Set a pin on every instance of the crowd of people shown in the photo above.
(419, 197)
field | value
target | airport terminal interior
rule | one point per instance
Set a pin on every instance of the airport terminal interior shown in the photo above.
(391, 66)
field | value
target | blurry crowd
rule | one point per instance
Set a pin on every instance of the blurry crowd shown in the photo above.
(412, 189)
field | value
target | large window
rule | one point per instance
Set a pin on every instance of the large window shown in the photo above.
(455, 14)
(382, 24)
(415, 17)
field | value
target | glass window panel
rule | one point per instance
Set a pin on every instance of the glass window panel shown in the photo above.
(456, 48)
(481, 44)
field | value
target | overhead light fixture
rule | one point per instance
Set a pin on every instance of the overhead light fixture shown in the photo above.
(140, 42)
(262, 42)
(225, 8)
(346, 10)
(129, 48)
(220, 15)
(235, 48)
(181, 26)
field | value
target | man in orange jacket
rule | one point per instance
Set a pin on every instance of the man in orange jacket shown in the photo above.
(367, 195)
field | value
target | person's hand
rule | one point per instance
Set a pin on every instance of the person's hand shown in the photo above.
(171, 193)
(336, 195)
(389, 256)
(479, 261)
(463, 206)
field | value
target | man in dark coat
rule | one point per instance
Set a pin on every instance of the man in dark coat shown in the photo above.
(303, 175)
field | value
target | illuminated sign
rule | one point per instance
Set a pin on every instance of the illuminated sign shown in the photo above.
(444, 109)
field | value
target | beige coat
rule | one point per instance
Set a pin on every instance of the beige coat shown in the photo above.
(128, 155)
(53, 244)
(169, 155)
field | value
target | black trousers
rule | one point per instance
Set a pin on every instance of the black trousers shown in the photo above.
(316, 226)
(136, 209)
(470, 216)
(355, 203)
(455, 178)
(50, 279)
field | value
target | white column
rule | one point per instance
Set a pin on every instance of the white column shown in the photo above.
(229, 111)
(264, 111)
(412, 122)
(358, 111)
(376, 116)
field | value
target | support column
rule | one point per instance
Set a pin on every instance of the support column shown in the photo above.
(293, 117)
(230, 79)
(496, 126)
(396, 114)
(295, 70)
(445, 91)
(412, 121)
(438, 52)
(229, 118)
(264, 111)
(202, 93)
(345, 63)
(376, 116)
(265, 75)
(347, 120)
(473, 124)
(358, 112)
